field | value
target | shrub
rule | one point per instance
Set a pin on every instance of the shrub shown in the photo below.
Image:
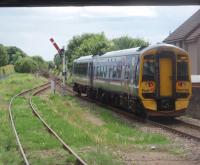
(6, 70)
(26, 65)
(3, 56)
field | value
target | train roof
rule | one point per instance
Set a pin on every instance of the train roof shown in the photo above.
(131, 51)
(84, 59)
(159, 45)
(137, 50)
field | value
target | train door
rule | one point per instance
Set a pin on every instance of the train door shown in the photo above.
(166, 76)
(91, 75)
(127, 74)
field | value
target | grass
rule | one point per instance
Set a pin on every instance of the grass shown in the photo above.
(8, 87)
(95, 143)
(94, 133)
(41, 147)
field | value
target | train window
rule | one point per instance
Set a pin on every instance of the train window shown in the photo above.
(97, 71)
(137, 72)
(101, 71)
(85, 68)
(77, 69)
(148, 68)
(119, 71)
(104, 71)
(182, 70)
(114, 72)
(127, 72)
(110, 72)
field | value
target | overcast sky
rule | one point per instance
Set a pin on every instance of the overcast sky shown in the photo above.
(31, 28)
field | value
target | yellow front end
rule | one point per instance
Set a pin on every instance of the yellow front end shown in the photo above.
(165, 85)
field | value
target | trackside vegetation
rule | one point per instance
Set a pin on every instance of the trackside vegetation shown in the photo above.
(9, 87)
(93, 132)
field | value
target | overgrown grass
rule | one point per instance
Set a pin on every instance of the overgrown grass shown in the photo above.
(40, 146)
(9, 153)
(95, 142)
(93, 132)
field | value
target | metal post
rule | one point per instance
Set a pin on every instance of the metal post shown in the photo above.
(64, 68)
(53, 86)
(64, 72)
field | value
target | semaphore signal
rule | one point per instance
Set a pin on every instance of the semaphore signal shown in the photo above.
(61, 52)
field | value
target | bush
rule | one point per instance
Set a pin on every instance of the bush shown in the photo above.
(42, 65)
(6, 70)
(3, 56)
(26, 65)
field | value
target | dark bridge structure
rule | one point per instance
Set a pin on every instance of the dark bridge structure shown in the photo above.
(45, 3)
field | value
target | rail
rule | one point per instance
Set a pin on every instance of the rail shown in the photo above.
(13, 123)
(79, 161)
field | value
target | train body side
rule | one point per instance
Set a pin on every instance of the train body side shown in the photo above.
(117, 73)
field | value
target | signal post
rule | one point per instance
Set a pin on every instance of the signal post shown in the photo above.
(61, 52)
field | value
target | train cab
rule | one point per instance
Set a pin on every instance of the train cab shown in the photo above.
(165, 80)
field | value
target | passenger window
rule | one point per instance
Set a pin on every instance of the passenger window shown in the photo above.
(101, 73)
(119, 72)
(97, 72)
(110, 72)
(127, 72)
(106, 70)
(137, 72)
(114, 72)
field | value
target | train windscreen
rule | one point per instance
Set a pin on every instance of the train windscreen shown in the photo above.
(148, 68)
(182, 68)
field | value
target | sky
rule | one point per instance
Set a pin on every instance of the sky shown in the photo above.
(31, 28)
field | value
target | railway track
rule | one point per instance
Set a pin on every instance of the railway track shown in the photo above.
(37, 90)
(187, 130)
(183, 133)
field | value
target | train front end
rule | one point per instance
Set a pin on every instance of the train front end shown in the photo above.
(165, 81)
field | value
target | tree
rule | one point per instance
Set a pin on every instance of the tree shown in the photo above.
(26, 65)
(42, 65)
(50, 65)
(14, 54)
(3, 56)
(126, 42)
(86, 44)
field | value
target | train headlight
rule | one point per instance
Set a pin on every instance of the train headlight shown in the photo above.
(182, 86)
(148, 87)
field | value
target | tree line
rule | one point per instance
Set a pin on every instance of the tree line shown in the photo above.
(95, 44)
(79, 45)
(21, 61)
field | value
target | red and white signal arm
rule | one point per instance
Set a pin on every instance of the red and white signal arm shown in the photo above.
(56, 46)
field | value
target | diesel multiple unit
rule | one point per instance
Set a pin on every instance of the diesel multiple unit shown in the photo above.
(152, 80)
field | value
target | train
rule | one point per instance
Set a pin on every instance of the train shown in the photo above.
(151, 81)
